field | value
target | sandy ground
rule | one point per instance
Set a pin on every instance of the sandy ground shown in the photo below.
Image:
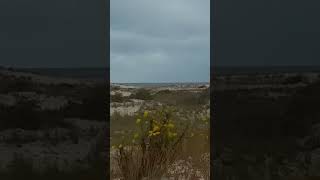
(181, 169)
(45, 102)
(64, 153)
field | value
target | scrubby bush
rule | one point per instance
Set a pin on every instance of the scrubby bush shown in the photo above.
(142, 94)
(16, 84)
(92, 104)
(152, 148)
(26, 114)
(184, 99)
(117, 97)
(23, 168)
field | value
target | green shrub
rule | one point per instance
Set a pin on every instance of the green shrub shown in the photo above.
(117, 97)
(152, 148)
(142, 94)
(26, 114)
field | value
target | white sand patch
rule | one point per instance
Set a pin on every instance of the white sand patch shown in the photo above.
(122, 92)
(86, 124)
(45, 102)
(131, 110)
(53, 103)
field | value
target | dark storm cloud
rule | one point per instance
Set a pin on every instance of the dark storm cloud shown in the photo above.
(267, 32)
(59, 33)
(156, 41)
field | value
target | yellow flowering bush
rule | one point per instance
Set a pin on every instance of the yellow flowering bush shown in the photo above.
(150, 150)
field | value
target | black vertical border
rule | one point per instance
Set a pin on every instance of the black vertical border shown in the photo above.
(105, 5)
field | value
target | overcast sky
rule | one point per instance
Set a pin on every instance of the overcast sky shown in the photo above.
(57, 33)
(153, 40)
(160, 41)
(267, 33)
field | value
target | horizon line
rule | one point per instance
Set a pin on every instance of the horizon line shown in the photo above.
(159, 82)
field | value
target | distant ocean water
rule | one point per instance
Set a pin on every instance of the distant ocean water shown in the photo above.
(77, 73)
(103, 73)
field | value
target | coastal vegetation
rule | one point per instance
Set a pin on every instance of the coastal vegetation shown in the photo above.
(164, 138)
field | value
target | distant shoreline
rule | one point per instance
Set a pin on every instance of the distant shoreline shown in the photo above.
(159, 84)
(103, 73)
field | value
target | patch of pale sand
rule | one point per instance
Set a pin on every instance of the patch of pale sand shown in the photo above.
(132, 102)
(46, 102)
(122, 110)
(137, 101)
(86, 124)
(121, 86)
(53, 103)
(122, 92)
(126, 108)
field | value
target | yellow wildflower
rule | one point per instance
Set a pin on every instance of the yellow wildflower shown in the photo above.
(170, 125)
(138, 121)
(169, 134)
(156, 133)
(145, 114)
(136, 135)
(120, 146)
(155, 122)
(156, 128)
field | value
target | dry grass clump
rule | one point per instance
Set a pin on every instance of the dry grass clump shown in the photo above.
(153, 147)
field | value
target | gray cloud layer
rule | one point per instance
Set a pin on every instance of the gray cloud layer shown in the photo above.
(160, 41)
(58, 33)
(267, 32)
